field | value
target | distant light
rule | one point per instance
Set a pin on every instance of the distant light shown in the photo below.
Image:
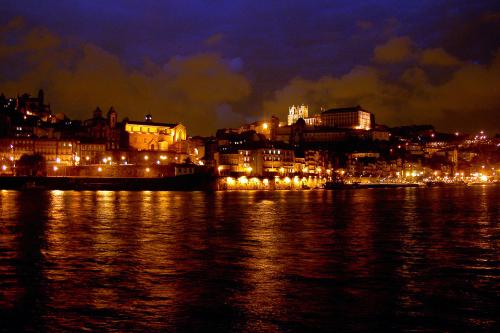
(265, 126)
(484, 178)
(158, 162)
(146, 157)
(123, 158)
(87, 158)
(147, 169)
(58, 160)
(265, 181)
(4, 167)
(54, 168)
(99, 169)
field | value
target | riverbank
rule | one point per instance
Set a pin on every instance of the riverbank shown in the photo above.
(193, 182)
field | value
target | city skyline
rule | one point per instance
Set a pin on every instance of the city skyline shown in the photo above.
(424, 63)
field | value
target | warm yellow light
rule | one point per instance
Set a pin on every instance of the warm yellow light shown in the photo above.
(147, 169)
(87, 158)
(54, 168)
(249, 169)
(220, 167)
(243, 180)
(11, 158)
(254, 180)
(265, 126)
(104, 160)
(158, 162)
(265, 181)
(296, 180)
(163, 157)
(99, 169)
(287, 180)
(282, 170)
(123, 157)
(484, 178)
(230, 181)
(77, 158)
(58, 160)
(4, 167)
(109, 158)
(146, 157)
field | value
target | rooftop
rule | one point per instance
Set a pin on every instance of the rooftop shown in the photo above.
(342, 110)
(151, 123)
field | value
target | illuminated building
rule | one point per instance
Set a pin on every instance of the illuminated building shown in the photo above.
(353, 118)
(61, 152)
(297, 112)
(149, 135)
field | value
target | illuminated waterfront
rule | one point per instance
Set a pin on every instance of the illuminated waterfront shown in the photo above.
(401, 259)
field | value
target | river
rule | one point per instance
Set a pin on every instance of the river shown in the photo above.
(409, 259)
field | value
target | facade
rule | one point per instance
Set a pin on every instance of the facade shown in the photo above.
(149, 135)
(102, 129)
(353, 118)
(62, 152)
(297, 112)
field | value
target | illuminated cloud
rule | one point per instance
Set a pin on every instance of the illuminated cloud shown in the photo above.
(396, 50)
(438, 57)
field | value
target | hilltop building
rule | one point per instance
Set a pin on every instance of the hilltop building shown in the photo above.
(297, 112)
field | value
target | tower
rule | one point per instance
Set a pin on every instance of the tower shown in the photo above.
(112, 117)
(297, 112)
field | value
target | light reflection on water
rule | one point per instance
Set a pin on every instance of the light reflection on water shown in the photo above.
(402, 259)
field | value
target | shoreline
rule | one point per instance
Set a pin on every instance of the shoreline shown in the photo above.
(193, 182)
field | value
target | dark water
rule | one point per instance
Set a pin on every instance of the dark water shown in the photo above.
(350, 260)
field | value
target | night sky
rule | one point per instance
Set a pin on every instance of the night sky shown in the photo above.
(210, 64)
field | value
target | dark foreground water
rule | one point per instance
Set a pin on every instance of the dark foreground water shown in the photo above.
(348, 260)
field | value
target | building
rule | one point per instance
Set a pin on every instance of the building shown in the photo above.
(58, 152)
(106, 130)
(149, 135)
(352, 118)
(297, 112)
(257, 159)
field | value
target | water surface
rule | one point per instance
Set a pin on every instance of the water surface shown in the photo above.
(350, 260)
